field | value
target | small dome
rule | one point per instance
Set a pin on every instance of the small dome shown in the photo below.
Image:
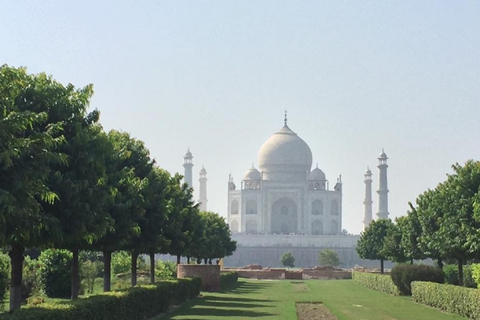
(368, 172)
(382, 155)
(188, 154)
(285, 151)
(317, 174)
(203, 171)
(252, 174)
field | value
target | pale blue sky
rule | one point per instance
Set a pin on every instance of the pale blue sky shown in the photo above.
(216, 76)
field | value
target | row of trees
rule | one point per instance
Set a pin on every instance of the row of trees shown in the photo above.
(65, 183)
(444, 224)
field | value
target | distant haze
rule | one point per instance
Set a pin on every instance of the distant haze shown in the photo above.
(216, 76)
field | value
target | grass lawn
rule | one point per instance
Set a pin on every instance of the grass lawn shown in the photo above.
(276, 300)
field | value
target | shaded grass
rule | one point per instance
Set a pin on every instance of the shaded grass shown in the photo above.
(276, 300)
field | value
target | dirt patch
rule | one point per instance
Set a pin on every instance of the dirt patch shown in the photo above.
(299, 286)
(313, 311)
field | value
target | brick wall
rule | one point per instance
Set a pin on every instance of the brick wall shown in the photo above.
(210, 274)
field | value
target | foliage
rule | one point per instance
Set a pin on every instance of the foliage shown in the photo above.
(393, 247)
(31, 284)
(371, 242)
(448, 298)
(228, 280)
(121, 261)
(328, 257)
(403, 275)
(476, 273)
(375, 281)
(89, 271)
(165, 270)
(55, 272)
(4, 276)
(134, 304)
(451, 275)
(287, 259)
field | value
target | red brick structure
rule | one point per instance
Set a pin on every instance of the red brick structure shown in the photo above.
(210, 274)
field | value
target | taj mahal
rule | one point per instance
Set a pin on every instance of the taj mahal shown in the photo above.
(283, 196)
(284, 205)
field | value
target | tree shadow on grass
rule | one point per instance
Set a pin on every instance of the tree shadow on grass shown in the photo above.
(226, 307)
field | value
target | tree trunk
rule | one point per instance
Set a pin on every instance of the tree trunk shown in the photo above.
(381, 266)
(178, 259)
(16, 258)
(107, 271)
(460, 272)
(188, 260)
(152, 267)
(440, 263)
(210, 261)
(134, 268)
(75, 275)
(205, 261)
(411, 260)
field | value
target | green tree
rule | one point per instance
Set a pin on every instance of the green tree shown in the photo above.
(372, 239)
(30, 135)
(288, 260)
(328, 257)
(393, 248)
(81, 185)
(216, 241)
(127, 168)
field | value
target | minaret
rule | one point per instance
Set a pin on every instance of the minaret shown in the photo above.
(367, 214)
(188, 165)
(382, 186)
(203, 189)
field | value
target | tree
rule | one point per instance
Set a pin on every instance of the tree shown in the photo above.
(328, 257)
(127, 169)
(81, 185)
(30, 135)
(392, 246)
(371, 242)
(288, 260)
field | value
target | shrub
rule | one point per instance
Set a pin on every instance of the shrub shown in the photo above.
(121, 262)
(328, 257)
(31, 284)
(4, 276)
(449, 298)
(287, 260)
(166, 270)
(134, 304)
(476, 273)
(376, 281)
(451, 275)
(228, 280)
(403, 275)
(56, 272)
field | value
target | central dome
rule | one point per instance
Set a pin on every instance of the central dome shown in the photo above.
(285, 152)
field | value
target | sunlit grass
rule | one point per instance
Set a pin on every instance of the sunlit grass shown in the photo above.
(276, 300)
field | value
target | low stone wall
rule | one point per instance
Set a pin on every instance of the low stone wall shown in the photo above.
(210, 274)
(326, 274)
(314, 273)
(262, 274)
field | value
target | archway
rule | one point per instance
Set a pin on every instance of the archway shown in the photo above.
(317, 227)
(234, 226)
(284, 216)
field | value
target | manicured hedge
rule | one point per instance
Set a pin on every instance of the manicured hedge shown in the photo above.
(134, 304)
(404, 274)
(375, 281)
(228, 280)
(454, 299)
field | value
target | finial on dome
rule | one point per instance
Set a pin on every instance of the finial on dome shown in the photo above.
(317, 165)
(285, 119)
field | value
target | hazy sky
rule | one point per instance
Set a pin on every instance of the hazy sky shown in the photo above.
(216, 76)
